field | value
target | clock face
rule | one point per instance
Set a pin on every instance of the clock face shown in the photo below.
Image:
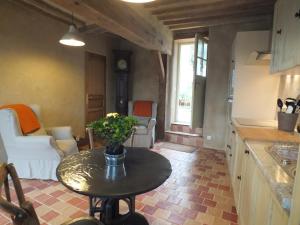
(122, 64)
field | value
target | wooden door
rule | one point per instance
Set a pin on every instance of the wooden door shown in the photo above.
(95, 86)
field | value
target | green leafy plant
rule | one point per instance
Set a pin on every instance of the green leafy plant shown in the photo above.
(115, 130)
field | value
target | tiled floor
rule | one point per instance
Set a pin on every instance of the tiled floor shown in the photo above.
(197, 193)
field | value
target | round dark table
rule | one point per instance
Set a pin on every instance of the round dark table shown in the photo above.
(87, 174)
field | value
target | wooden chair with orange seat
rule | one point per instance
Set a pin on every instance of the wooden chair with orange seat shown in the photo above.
(24, 213)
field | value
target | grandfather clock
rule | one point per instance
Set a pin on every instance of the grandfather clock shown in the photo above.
(122, 68)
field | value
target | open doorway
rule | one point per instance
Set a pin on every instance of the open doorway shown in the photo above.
(189, 72)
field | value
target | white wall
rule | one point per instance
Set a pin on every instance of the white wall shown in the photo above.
(255, 91)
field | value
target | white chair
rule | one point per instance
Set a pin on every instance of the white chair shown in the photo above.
(144, 135)
(35, 156)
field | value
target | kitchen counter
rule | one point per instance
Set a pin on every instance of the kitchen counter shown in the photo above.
(259, 132)
(280, 183)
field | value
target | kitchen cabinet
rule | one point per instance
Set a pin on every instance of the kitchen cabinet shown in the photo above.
(286, 34)
(237, 170)
(231, 148)
(247, 191)
(254, 199)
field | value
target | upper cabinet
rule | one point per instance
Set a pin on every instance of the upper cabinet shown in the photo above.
(286, 36)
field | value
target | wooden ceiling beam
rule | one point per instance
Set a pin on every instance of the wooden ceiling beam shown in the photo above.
(162, 4)
(211, 7)
(53, 12)
(220, 14)
(190, 33)
(217, 21)
(121, 19)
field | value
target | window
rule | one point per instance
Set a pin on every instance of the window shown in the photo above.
(201, 58)
(185, 82)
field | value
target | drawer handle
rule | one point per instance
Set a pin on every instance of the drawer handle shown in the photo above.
(230, 155)
(233, 132)
(239, 177)
(297, 15)
(279, 31)
(228, 146)
(247, 152)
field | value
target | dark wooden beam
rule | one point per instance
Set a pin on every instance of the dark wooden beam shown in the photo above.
(161, 65)
(212, 8)
(162, 4)
(51, 11)
(190, 33)
(220, 14)
(162, 7)
(217, 21)
(121, 19)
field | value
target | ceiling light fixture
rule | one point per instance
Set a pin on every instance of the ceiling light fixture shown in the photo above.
(72, 37)
(138, 1)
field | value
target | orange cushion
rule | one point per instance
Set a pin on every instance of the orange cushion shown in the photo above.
(142, 108)
(27, 118)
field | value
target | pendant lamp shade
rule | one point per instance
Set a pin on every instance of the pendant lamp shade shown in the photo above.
(72, 37)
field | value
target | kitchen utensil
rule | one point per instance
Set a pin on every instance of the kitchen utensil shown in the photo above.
(280, 104)
(291, 106)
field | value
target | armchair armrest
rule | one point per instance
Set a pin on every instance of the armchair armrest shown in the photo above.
(60, 133)
(151, 124)
(38, 146)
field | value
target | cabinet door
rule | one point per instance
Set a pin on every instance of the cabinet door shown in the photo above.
(262, 209)
(247, 194)
(237, 169)
(290, 35)
(278, 216)
(278, 36)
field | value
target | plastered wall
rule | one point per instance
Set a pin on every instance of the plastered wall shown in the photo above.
(144, 76)
(35, 68)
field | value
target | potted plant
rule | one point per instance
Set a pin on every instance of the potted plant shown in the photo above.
(115, 129)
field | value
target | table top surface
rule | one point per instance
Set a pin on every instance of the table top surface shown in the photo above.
(87, 174)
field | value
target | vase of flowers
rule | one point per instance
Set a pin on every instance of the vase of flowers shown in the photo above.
(115, 129)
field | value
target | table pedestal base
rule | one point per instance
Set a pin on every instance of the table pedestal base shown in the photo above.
(110, 214)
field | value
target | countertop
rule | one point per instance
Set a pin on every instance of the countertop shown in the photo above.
(280, 183)
(260, 131)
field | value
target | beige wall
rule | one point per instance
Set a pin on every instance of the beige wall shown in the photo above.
(255, 90)
(35, 68)
(289, 86)
(143, 77)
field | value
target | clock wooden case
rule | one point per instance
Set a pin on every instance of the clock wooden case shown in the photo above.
(122, 69)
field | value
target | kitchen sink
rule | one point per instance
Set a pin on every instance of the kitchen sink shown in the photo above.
(286, 155)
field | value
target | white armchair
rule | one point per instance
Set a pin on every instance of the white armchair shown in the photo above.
(37, 155)
(144, 135)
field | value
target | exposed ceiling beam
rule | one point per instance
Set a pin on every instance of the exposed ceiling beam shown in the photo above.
(179, 6)
(190, 33)
(214, 21)
(220, 14)
(131, 23)
(212, 8)
(217, 12)
(51, 11)
(162, 4)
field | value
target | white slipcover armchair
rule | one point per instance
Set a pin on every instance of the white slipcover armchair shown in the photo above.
(37, 155)
(144, 135)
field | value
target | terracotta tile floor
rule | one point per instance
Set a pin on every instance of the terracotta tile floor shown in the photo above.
(197, 193)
